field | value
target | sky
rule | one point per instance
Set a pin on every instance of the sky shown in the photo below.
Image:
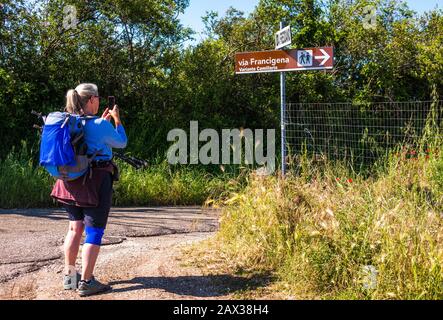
(197, 8)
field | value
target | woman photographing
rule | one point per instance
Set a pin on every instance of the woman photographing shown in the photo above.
(88, 199)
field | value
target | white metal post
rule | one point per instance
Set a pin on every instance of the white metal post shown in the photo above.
(282, 115)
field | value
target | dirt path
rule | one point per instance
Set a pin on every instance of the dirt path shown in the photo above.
(141, 259)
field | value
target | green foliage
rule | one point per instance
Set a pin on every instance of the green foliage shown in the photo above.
(134, 50)
(127, 47)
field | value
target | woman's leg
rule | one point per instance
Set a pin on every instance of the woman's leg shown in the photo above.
(89, 258)
(95, 221)
(72, 242)
(74, 236)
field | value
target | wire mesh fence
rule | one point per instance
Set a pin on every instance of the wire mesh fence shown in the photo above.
(358, 133)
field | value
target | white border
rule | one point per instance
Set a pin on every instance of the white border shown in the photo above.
(285, 70)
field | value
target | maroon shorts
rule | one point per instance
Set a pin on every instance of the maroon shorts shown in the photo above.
(96, 217)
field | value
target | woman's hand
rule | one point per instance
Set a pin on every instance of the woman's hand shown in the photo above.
(106, 115)
(115, 114)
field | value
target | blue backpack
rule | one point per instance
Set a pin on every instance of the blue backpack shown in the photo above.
(63, 150)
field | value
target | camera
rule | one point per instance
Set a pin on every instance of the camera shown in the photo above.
(111, 102)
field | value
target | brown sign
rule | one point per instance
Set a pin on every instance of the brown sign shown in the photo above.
(284, 60)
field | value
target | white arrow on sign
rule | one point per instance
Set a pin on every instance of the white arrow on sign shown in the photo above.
(325, 57)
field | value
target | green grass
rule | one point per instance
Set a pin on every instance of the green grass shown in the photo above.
(22, 184)
(318, 230)
(162, 184)
(25, 185)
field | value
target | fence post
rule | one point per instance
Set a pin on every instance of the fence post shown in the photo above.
(282, 115)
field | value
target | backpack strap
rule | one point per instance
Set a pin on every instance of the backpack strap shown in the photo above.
(83, 117)
(90, 159)
(83, 120)
(67, 117)
(77, 138)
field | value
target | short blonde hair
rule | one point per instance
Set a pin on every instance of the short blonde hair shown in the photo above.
(77, 98)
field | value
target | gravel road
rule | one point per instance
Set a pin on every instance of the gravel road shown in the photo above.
(141, 257)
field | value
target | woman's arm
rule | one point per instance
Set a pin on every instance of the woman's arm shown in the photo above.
(117, 138)
(120, 140)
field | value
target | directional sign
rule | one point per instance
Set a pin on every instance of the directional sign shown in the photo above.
(284, 60)
(283, 38)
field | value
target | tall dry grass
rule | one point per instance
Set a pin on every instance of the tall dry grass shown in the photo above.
(322, 230)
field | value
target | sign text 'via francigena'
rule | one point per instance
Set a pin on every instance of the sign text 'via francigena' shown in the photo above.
(284, 60)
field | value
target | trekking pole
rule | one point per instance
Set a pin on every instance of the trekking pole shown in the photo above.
(138, 161)
(40, 116)
(135, 162)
